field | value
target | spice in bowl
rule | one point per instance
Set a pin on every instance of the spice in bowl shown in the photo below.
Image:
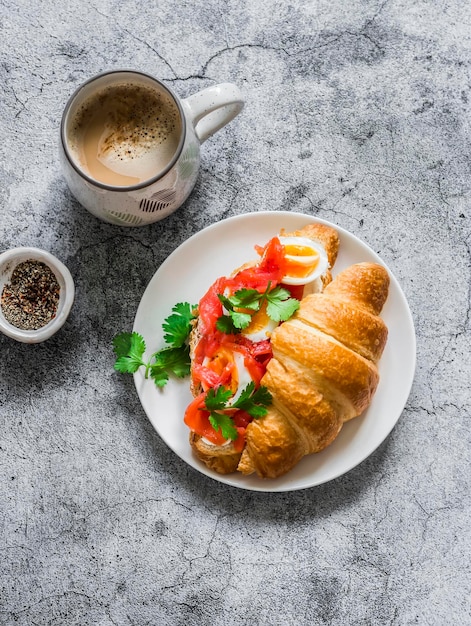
(31, 298)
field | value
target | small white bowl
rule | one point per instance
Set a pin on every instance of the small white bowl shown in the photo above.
(8, 262)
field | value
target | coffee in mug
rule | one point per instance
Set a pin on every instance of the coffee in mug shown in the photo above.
(130, 147)
(125, 133)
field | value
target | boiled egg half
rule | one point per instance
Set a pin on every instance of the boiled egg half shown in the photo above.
(307, 260)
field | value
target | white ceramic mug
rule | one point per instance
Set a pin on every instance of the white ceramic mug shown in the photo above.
(199, 116)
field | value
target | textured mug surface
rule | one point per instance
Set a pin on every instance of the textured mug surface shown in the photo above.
(201, 115)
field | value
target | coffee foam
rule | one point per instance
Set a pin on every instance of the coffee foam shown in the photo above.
(125, 134)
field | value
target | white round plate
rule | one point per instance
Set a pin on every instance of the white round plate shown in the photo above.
(216, 251)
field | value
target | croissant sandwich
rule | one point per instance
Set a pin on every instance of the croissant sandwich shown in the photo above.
(282, 355)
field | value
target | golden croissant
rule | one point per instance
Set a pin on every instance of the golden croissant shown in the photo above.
(323, 371)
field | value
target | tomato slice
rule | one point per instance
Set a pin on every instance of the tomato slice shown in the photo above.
(261, 349)
(255, 369)
(257, 349)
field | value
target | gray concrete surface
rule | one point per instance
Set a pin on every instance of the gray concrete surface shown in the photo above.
(357, 112)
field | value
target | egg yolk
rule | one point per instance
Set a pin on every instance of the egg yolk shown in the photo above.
(260, 322)
(298, 250)
(301, 260)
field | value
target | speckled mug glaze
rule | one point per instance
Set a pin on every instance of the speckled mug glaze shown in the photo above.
(202, 114)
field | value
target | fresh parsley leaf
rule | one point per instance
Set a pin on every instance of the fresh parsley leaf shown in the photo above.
(236, 320)
(122, 343)
(244, 396)
(127, 365)
(129, 348)
(253, 401)
(280, 306)
(224, 423)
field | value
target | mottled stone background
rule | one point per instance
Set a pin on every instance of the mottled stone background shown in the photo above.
(357, 112)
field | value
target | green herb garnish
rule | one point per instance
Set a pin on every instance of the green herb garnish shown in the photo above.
(280, 307)
(174, 358)
(253, 401)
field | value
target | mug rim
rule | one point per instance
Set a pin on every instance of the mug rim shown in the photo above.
(148, 181)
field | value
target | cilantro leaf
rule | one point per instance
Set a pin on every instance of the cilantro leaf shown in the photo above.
(240, 320)
(122, 343)
(225, 325)
(224, 423)
(280, 306)
(174, 358)
(216, 399)
(159, 375)
(237, 320)
(246, 299)
(177, 326)
(127, 365)
(129, 348)
(254, 402)
(244, 396)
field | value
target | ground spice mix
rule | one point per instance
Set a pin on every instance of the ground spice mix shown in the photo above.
(29, 301)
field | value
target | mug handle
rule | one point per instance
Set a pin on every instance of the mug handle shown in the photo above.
(212, 108)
